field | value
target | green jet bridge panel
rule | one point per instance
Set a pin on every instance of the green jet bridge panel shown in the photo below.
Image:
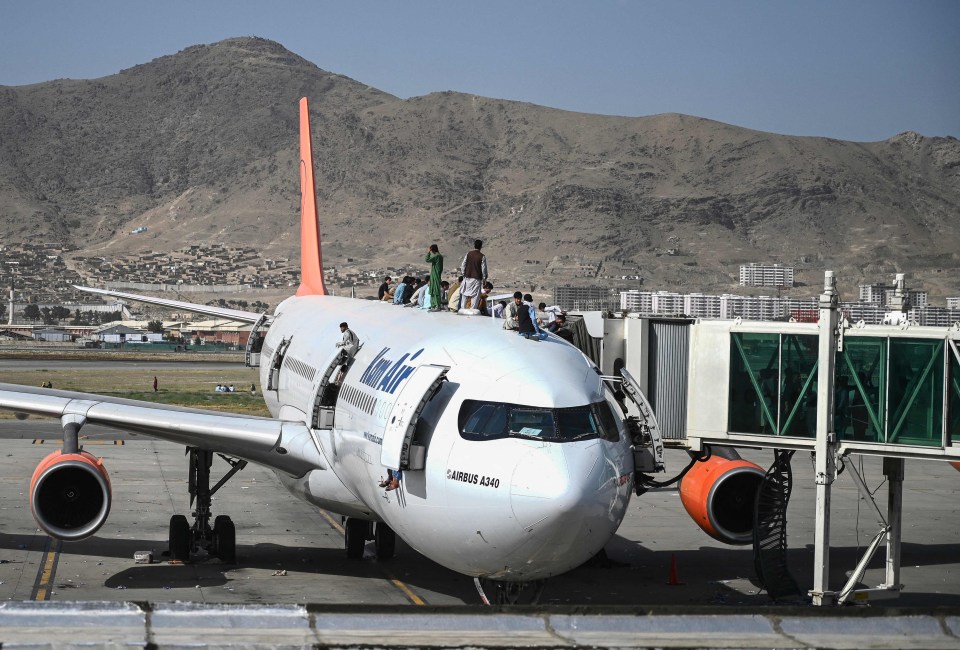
(896, 389)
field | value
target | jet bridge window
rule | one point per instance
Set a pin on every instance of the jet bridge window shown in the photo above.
(491, 420)
(773, 384)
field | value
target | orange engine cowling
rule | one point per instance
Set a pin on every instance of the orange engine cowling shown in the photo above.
(70, 495)
(719, 493)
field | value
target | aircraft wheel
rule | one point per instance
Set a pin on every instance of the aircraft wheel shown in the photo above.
(225, 539)
(355, 537)
(180, 538)
(384, 540)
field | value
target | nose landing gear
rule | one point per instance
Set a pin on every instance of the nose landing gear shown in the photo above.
(220, 540)
(510, 593)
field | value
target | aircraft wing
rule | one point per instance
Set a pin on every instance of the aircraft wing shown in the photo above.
(221, 312)
(286, 446)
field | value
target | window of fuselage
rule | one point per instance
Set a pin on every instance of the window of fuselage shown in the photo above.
(489, 420)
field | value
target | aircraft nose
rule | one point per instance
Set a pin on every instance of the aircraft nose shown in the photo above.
(570, 495)
(540, 486)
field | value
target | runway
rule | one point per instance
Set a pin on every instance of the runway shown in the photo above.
(290, 552)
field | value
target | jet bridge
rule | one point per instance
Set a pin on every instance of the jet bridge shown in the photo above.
(832, 388)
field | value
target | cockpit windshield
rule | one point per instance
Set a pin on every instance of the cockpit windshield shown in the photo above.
(488, 420)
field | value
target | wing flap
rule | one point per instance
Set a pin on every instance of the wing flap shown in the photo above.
(273, 443)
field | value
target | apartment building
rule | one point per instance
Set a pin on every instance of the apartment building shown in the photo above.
(766, 275)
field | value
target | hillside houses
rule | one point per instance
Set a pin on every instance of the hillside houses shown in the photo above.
(214, 264)
(38, 270)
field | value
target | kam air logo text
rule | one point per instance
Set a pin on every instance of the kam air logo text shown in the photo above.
(386, 374)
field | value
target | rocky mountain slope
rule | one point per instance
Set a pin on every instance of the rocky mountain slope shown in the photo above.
(200, 146)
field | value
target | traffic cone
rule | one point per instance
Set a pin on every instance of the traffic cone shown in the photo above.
(673, 581)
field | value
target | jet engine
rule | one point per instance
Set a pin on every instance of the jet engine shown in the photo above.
(70, 495)
(719, 493)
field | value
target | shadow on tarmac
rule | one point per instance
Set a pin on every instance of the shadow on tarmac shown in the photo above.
(631, 575)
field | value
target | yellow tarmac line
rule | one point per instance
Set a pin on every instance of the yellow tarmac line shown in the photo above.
(402, 586)
(333, 522)
(48, 568)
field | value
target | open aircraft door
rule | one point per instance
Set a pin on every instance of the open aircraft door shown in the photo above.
(402, 421)
(647, 442)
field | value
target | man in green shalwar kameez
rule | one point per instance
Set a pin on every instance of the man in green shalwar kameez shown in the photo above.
(435, 260)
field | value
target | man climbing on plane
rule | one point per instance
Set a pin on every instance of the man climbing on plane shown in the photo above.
(350, 344)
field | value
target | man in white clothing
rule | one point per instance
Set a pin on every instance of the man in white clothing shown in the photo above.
(350, 345)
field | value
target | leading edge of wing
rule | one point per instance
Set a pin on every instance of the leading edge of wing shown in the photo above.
(222, 312)
(282, 445)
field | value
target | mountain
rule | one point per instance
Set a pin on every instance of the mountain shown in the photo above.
(200, 147)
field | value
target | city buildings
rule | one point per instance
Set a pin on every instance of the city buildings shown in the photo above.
(728, 306)
(764, 275)
(587, 298)
(880, 294)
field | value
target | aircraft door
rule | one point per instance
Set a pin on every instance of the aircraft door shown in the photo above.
(325, 402)
(255, 342)
(402, 421)
(273, 380)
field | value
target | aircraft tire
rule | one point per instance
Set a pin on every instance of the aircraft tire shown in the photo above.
(385, 541)
(180, 538)
(355, 537)
(225, 538)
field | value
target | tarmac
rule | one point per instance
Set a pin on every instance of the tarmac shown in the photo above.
(293, 585)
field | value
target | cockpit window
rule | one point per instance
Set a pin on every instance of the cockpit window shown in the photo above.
(489, 420)
(608, 421)
(537, 423)
(485, 420)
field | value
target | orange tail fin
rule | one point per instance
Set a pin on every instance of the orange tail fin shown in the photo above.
(311, 259)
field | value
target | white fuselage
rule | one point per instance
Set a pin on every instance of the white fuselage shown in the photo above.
(512, 507)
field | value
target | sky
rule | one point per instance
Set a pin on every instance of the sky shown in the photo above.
(860, 70)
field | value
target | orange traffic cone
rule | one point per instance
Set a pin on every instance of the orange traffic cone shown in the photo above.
(674, 580)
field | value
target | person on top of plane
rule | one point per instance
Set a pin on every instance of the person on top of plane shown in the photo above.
(435, 259)
(400, 293)
(453, 300)
(384, 289)
(527, 320)
(474, 269)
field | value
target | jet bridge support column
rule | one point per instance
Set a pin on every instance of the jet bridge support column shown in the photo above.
(825, 446)
(893, 470)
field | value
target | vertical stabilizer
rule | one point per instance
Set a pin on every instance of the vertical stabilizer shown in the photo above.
(311, 259)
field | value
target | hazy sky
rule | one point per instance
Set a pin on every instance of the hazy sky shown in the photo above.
(849, 69)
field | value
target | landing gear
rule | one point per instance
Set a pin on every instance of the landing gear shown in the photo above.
(358, 531)
(355, 537)
(180, 538)
(509, 593)
(225, 539)
(220, 540)
(384, 540)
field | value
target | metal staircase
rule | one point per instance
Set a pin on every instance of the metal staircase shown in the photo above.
(770, 529)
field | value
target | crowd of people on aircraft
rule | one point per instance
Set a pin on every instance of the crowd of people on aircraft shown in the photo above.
(469, 293)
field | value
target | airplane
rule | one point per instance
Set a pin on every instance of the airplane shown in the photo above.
(517, 459)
